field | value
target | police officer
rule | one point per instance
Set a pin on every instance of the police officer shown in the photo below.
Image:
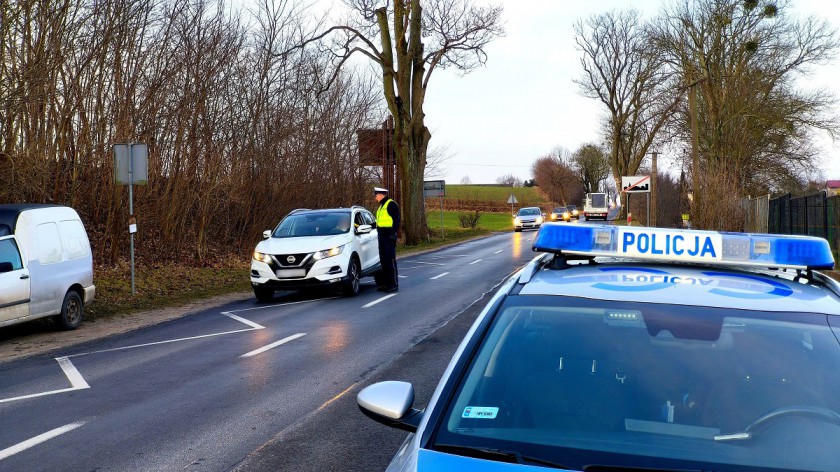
(387, 224)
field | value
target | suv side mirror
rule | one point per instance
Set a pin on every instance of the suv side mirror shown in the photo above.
(6, 267)
(266, 234)
(364, 229)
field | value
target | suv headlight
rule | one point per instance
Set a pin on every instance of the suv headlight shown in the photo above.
(328, 253)
(258, 256)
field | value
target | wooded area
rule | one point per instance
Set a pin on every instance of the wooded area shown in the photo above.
(237, 131)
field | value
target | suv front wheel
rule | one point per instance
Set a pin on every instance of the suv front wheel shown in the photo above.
(354, 276)
(264, 294)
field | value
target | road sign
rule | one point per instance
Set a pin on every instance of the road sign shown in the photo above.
(635, 184)
(512, 199)
(131, 164)
(434, 188)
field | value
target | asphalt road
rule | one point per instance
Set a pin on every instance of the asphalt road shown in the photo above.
(251, 386)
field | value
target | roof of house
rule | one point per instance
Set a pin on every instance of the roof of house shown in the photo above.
(832, 184)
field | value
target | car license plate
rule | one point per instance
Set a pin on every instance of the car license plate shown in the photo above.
(290, 273)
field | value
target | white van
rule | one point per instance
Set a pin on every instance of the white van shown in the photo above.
(46, 267)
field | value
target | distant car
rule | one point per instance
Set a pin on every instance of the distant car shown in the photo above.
(316, 248)
(560, 214)
(527, 217)
(574, 211)
(639, 349)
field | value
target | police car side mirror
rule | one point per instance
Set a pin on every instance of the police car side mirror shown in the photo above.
(266, 234)
(390, 403)
(363, 229)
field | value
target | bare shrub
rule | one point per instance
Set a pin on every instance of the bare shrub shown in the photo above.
(469, 219)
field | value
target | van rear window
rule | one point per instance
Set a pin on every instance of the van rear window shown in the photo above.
(74, 238)
(49, 243)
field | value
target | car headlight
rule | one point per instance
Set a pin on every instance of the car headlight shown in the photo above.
(539, 219)
(554, 216)
(258, 256)
(517, 221)
(328, 253)
(575, 212)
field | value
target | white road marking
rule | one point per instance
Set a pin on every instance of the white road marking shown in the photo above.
(273, 345)
(402, 276)
(73, 375)
(168, 341)
(427, 263)
(379, 300)
(10, 451)
(77, 382)
(475, 261)
(438, 276)
(281, 304)
(500, 250)
(243, 320)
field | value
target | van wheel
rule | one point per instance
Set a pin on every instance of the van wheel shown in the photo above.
(264, 294)
(354, 275)
(72, 311)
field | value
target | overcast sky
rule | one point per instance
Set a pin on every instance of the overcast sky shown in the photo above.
(500, 118)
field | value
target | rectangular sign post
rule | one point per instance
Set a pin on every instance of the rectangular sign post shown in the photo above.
(130, 167)
(637, 184)
(436, 188)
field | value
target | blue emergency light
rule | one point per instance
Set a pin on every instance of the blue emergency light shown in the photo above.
(676, 245)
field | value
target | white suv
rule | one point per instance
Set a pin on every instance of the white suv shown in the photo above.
(311, 248)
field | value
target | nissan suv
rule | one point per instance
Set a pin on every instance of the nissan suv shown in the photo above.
(316, 248)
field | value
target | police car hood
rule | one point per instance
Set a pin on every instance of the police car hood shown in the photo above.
(682, 285)
(301, 245)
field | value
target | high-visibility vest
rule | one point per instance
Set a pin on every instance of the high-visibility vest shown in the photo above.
(383, 219)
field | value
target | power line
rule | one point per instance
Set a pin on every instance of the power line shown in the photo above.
(485, 165)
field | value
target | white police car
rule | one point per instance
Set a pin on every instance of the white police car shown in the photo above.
(640, 349)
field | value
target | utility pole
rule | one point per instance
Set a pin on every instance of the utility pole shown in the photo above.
(653, 188)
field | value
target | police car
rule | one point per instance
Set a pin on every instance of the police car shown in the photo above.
(639, 349)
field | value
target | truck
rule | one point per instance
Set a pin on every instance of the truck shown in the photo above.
(595, 205)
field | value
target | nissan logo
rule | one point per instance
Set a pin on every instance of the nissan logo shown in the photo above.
(290, 259)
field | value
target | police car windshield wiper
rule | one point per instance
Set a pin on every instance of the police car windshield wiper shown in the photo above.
(500, 455)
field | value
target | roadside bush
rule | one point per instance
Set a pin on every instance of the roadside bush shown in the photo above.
(469, 219)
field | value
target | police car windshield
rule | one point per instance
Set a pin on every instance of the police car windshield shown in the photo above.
(529, 211)
(566, 379)
(322, 223)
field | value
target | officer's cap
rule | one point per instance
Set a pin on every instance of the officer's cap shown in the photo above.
(379, 190)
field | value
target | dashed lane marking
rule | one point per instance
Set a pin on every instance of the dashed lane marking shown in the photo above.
(379, 300)
(438, 276)
(475, 261)
(10, 451)
(273, 345)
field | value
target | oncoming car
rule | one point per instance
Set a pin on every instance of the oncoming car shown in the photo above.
(527, 217)
(575, 213)
(602, 355)
(561, 214)
(316, 248)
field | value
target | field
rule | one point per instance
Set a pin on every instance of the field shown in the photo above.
(525, 195)
(488, 221)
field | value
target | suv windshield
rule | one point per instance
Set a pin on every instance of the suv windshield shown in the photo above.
(529, 211)
(575, 382)
(560, 210)
(322, 223)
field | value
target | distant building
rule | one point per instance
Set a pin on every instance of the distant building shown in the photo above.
(832, 187)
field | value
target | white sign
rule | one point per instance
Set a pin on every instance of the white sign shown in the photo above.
(635, 184)
(434, 188)
(132, 228)
(512, 199)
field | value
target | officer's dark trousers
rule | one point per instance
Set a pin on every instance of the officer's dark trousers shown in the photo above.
(388, 259)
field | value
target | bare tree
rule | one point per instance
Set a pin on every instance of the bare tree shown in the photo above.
(625, 74)
(556, 177)
(740, 60)
(465, 180)
(592, 167)
(408, 42)
(509, 180)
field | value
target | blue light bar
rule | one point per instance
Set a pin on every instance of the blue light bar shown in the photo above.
(660, 244)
